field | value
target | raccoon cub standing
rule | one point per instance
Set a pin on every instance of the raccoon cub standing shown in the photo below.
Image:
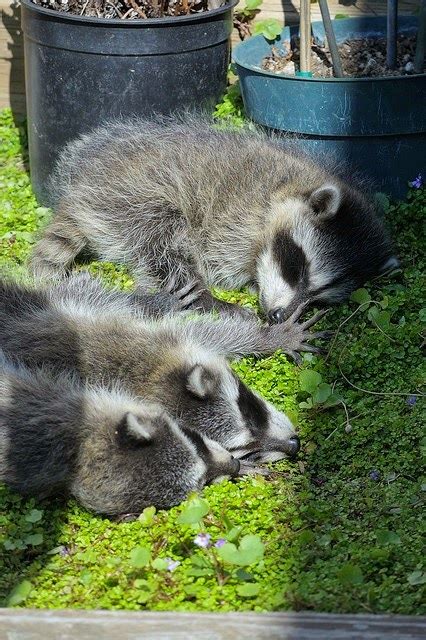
(182, 200)
(113, 453)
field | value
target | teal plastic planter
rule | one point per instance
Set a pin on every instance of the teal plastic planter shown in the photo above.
(375, 125)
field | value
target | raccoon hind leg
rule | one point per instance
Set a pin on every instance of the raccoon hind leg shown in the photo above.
(61, 242)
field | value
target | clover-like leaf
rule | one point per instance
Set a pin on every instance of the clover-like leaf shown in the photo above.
(194, 512)
(20, 593)
(322, 393)
(350, 574)
(35, 515)
(387, 537)
(270, 28)
(361, 296)
(252, 5)
(160, 564)
(147, 516)
(233, 534)
(332, 400)
(416, 577)
(249, 551)
(86, 577)
(140, 557)
(309, 380)
(34, 539)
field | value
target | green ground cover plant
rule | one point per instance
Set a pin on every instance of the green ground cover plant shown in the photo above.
(340, 530)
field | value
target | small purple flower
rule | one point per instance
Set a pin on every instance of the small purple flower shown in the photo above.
(172, 564)
(411, 400)
(417, 182)
(375, 475)
(202, 540)
(219, 543)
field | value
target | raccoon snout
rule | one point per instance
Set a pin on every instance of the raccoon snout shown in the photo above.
(235, 466)
(293, 446)
(276, 316)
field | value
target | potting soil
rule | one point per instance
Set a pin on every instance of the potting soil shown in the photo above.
(362, 57)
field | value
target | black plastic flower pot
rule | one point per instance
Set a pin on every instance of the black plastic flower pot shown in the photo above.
(375, 125)
(82, 71)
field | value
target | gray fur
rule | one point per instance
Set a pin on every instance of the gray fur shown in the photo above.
(179, 199)
(109, 450)
(177, 362)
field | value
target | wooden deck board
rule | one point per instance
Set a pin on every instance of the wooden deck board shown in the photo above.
(26, 624)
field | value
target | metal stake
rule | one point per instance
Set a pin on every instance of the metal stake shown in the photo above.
(419, 58)
(392, 28)
(331, 38)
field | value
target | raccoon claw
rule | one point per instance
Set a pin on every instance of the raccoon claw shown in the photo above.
(314, 319)
(187, 296)
(294, 337)
(296, 357)
(298, 312)
(309, 348)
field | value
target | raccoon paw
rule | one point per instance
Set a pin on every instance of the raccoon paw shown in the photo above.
(297, 335)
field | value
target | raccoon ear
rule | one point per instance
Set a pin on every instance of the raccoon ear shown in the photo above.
(200, 381)
(132, 428)
(325, 201)
(391, 264)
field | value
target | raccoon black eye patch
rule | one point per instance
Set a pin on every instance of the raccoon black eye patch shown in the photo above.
(252, 408)
(291, 259)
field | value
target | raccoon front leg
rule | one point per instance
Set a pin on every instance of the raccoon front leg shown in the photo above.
(232, 338)
(61, 243)
(171, 258)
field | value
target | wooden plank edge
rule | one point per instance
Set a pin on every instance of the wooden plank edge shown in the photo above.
(38, 624)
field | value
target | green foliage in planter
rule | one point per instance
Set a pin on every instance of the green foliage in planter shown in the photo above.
(338, 531)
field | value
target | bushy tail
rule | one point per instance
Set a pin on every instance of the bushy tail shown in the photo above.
(61, 243)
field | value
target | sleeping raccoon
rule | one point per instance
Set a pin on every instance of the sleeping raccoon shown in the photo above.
(182, 200)
(180, 364)
(113, 453)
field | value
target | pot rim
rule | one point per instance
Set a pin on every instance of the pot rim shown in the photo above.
(245, 65)
(139, 22)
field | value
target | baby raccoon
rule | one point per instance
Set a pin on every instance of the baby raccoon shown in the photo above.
(111, 452)
(179, 363)
(184, 201)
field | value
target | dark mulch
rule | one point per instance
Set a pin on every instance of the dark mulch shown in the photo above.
(130, 9)
(363, 57)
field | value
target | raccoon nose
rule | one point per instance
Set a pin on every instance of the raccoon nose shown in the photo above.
(235, 466)
(293, 445)
(276, 316)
